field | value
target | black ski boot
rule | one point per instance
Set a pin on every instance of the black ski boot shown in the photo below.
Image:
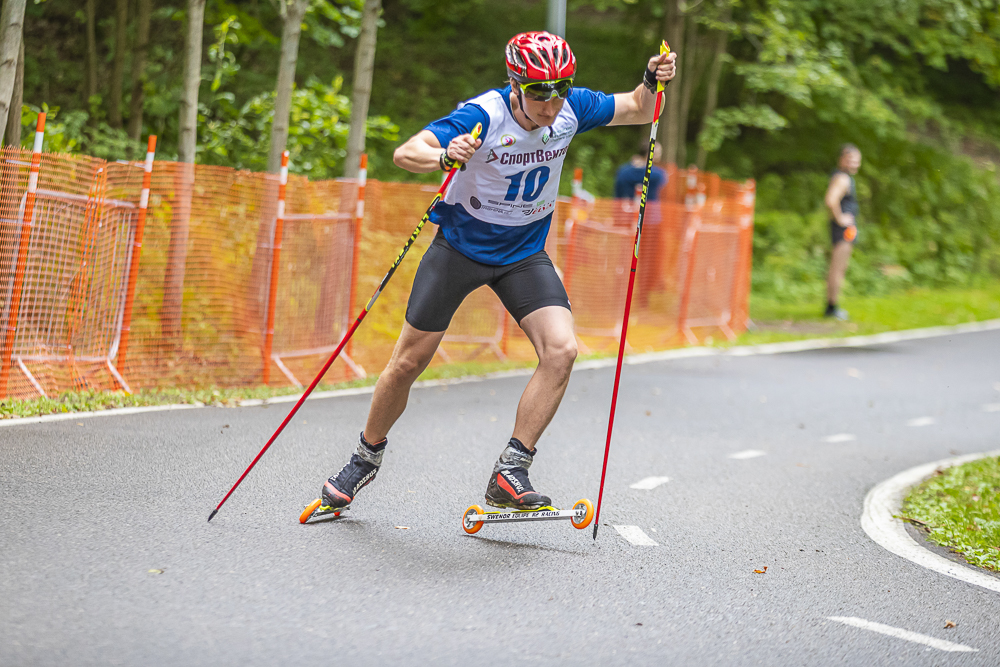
(509, 485)
(339, 491)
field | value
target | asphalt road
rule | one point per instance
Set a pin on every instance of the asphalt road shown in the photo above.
(92, 509)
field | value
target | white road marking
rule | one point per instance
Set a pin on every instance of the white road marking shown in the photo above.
(649, 483)
(883, 503)
(922, 421)
(636, 536)
(991, 407)
(63, 416)
(899, 633)
(841, 437)
(747, 454)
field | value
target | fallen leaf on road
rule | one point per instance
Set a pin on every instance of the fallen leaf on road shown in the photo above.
(638, 623)
(950, 624)
(761, 571)
(402, 527)
(161, 572)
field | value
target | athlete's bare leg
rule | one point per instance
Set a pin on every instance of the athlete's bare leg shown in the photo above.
(550, 330)
(413, 351)
(838, 269)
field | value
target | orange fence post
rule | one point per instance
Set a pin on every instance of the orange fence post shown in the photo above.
(22, 255)
(739, 308)
(133, 273)
(692, 222)
(275, 255)
(359, 217)
(576, 215)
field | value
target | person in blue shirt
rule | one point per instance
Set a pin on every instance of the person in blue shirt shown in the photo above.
(628, 180)
(493, 222)
(628, 190)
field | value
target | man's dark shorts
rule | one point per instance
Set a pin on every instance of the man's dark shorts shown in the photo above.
(839, 234)
(445, 277)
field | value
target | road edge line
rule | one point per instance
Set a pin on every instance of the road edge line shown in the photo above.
(591, 364)
(885, 500)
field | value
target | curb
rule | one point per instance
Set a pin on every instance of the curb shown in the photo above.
(886, 499)
(632, 360)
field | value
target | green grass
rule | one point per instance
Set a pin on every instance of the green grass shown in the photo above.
(230, 397)
(776, 321)
(912, 309)
(960, 509)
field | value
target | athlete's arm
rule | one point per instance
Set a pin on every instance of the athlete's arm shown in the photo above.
(839, 185)
(421, 154)
(636, 107)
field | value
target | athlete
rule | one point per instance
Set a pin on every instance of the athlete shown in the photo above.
(842, 202)
(493, 222)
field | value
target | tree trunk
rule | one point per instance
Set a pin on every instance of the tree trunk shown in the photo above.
(294, 12)
(139, 68)
(712, 95)
(173, 287)
(118, 64)
(192, 79)
(694, 70)
(689, 82)
(91, 52)
(673, 30)
(11, 29)
(12, 137)
(364, 68)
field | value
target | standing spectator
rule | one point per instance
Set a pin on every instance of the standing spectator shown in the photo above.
(842, 201)
(628, 191)
(628, 180)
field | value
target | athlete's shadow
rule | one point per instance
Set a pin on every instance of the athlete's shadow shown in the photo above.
(524, 546)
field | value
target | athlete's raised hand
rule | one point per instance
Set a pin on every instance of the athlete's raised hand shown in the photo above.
(463, 147)
(663, 66)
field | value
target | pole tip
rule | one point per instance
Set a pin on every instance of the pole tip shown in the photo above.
(151, 144)
(595, 531)
(210, 516)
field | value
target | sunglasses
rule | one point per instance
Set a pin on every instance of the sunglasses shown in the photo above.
(543, 91)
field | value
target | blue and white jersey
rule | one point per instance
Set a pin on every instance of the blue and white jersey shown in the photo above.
(498, 210)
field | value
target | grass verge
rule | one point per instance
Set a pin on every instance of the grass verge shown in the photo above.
(775, 321)
(959, 508)
(913, 309)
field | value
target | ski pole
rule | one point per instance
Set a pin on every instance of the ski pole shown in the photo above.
(664, 48)
(347, 336)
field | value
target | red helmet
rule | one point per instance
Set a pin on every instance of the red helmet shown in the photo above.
(539, 56)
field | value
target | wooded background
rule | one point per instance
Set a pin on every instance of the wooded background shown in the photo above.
(767, 89)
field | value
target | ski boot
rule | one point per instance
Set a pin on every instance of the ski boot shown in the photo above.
(340, 491)
(509, 486)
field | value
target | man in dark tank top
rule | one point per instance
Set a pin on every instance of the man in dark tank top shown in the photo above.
(842, 201)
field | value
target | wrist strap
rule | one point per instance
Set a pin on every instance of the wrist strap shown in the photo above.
(649, 80)
(446, 162)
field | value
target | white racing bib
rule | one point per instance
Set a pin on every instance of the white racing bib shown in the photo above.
(513, 179)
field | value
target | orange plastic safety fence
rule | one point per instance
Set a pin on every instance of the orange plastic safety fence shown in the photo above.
(202, 293)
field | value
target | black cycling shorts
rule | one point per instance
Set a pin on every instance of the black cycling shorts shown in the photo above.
(446, 276)
(839, 233)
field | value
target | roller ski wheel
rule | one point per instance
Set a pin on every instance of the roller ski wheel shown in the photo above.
(580, 516)
(585, 508)
(469, 526)
(317, 509)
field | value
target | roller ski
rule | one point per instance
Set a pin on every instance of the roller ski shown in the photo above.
(510, 489)
(339, 491)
